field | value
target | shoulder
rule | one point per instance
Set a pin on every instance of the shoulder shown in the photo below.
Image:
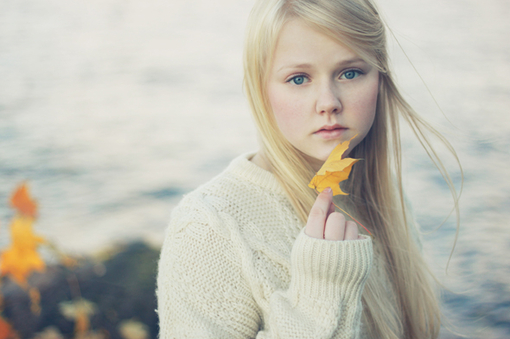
(242, 209)
(242, 192)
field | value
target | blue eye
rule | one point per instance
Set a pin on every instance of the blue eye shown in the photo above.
(299, 80)
(351, 74)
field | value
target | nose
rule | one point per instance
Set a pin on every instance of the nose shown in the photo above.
(328, 100)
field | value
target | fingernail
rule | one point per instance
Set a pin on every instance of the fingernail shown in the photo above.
(327, 190)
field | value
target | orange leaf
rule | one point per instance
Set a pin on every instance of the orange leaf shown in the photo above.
(6, 331)
(80, 311)
(69, 262)
(35, 299)
(82, 323)
(334, 170)
(23, 203)
(21, 258)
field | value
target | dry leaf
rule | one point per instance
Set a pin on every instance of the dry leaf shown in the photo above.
(35, 301)
(6, 330)
(69, 262)
(132, 329)
(80, 311)
(21, 258)
(50, 332)
(23, 203)
(334, 170)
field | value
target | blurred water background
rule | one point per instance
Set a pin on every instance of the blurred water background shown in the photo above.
(113, 109)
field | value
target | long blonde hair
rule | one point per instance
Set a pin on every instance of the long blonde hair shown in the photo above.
(399, 299)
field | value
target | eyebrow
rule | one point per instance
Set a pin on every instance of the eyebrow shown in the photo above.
(306, 65)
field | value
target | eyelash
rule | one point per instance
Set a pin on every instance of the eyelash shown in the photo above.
(359, 72)
(292, 80)
(353, 70)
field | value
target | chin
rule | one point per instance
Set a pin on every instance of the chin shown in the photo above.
(325, 154)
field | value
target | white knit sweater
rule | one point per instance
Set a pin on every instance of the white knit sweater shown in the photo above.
(236, 264)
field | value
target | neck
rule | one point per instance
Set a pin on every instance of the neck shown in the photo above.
(260, 160)
(315, 163)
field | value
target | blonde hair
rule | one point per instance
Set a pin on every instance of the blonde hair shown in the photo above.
(405, 305)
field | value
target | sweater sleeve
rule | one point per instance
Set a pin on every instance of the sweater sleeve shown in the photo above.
(202, 292)
(324, 296)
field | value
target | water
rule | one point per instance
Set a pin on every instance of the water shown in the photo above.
(112, 109)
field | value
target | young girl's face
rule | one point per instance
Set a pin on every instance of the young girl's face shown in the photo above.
(321, 93)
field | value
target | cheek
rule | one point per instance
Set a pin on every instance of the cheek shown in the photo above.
(375, 91)
(372, 102)
(367, 103)
(286, 112)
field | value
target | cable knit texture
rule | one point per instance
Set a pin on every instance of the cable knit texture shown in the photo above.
(236, 264)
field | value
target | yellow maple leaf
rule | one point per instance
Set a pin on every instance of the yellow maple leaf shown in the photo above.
(22, 201)
(21, 258)
(334, 170)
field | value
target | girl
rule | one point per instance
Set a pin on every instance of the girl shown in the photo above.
(255, 252)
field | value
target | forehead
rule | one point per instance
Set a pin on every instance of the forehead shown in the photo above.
(298, 41)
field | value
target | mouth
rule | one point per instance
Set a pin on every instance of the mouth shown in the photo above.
(330, 131)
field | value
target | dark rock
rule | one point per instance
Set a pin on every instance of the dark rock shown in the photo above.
(122, 287)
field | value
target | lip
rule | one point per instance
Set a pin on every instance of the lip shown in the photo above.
(330, 131)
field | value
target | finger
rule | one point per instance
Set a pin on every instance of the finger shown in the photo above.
(351, 230)
(318, 214)
(331, 209)
(335, 227)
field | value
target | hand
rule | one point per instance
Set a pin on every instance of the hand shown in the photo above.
(325, 223)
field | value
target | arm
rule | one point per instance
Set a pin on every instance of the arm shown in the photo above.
(202, 292)
(324, 296)
(329, 267)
